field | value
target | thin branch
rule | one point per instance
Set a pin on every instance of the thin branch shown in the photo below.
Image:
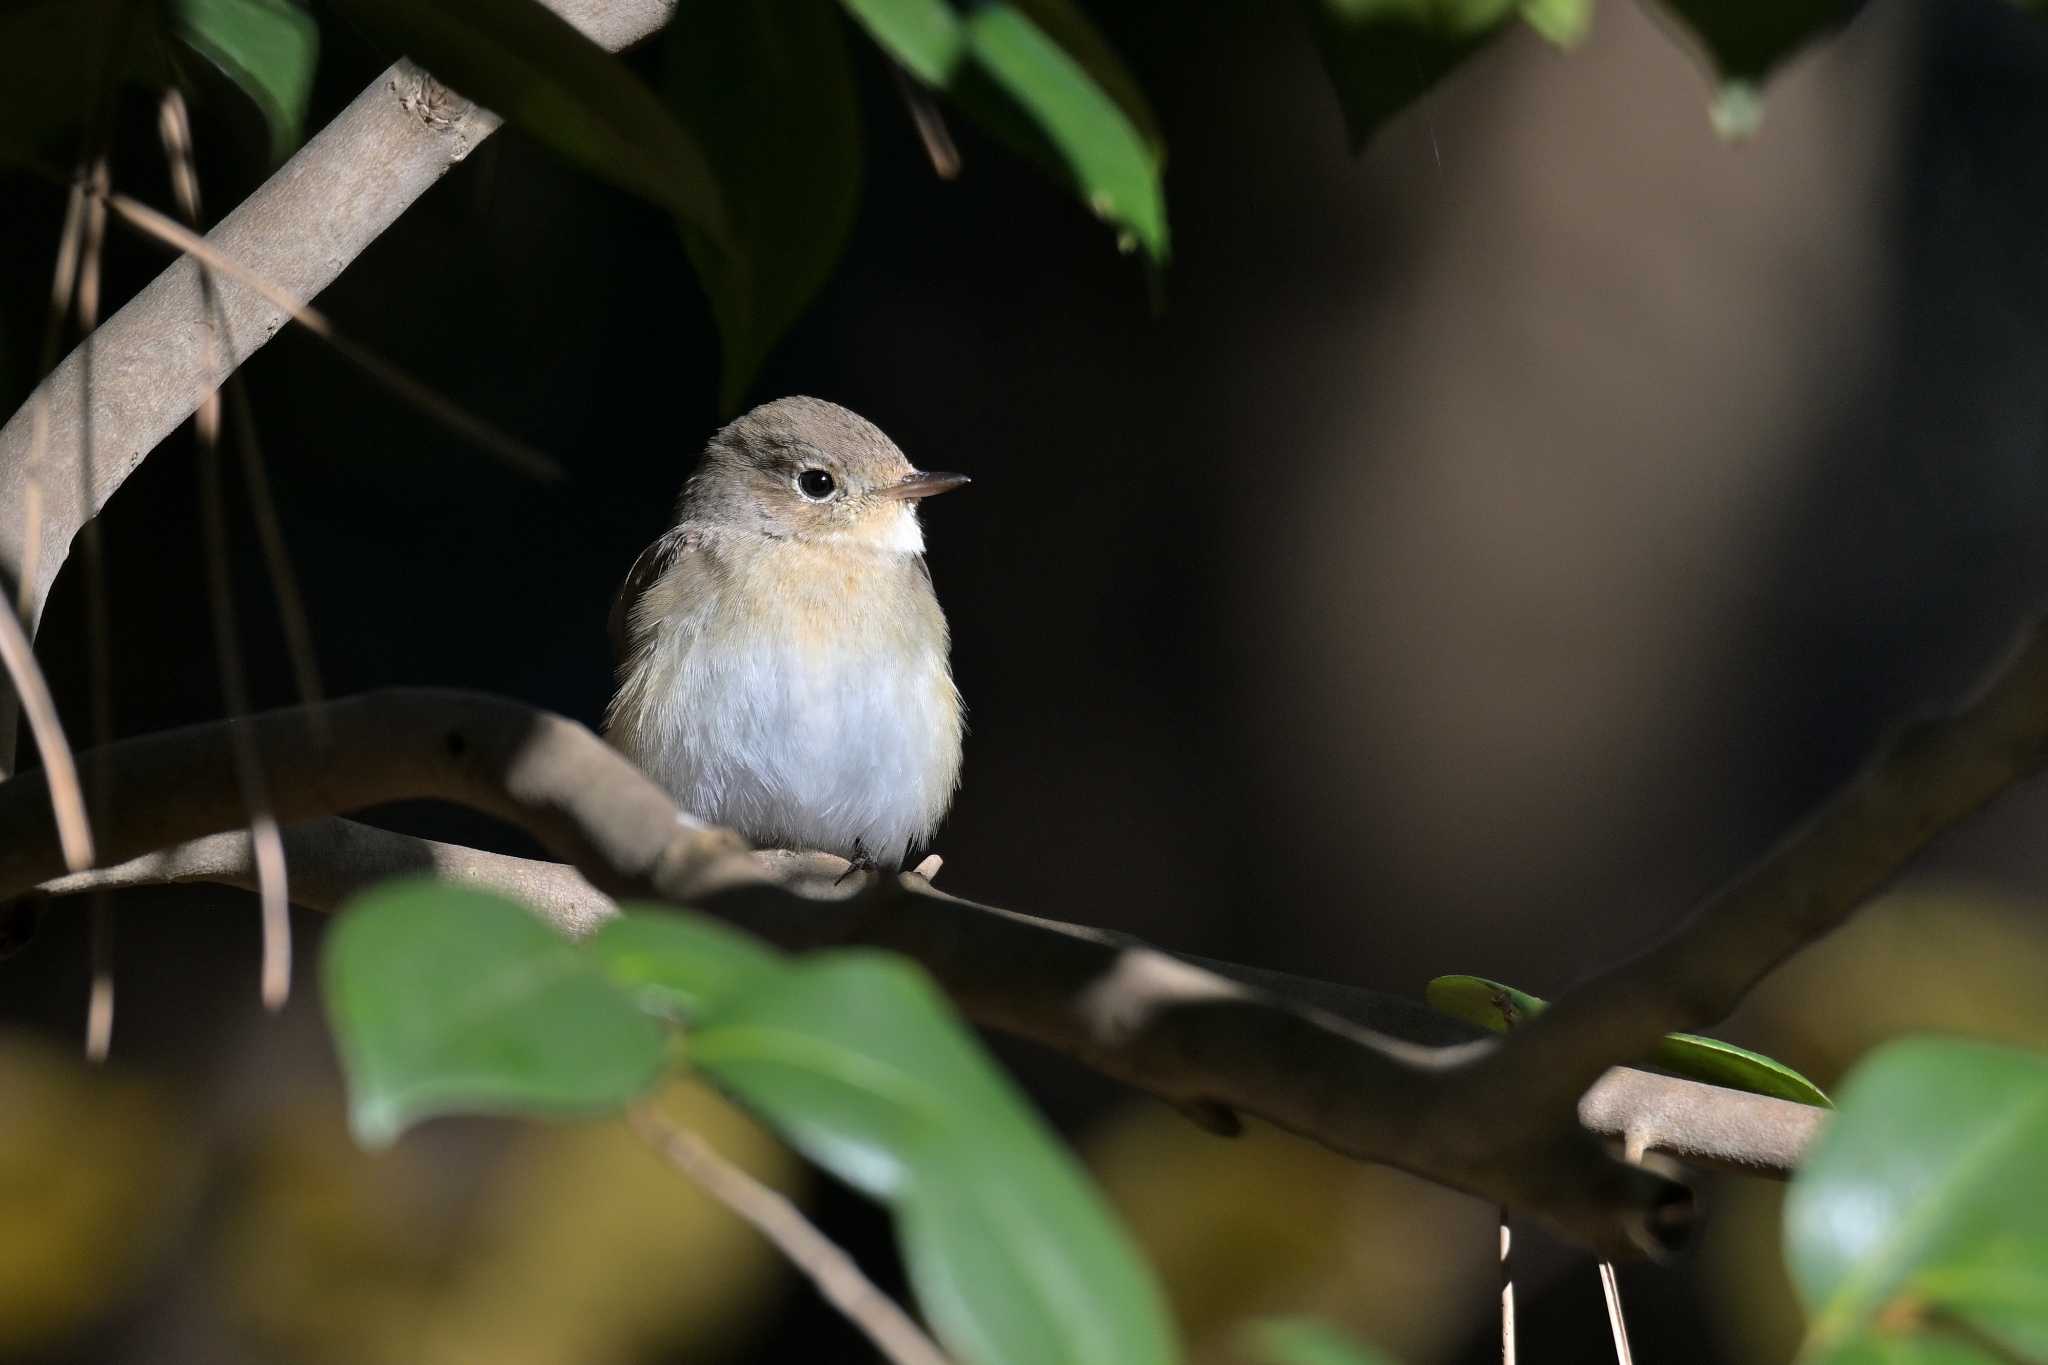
(59, 770)
(1617, 1324)
(837, 1278)
(274, 982)
(99, 1011)
(1507, 1293)
(930, 122)
(486, 435)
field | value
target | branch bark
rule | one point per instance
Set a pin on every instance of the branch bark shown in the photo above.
(1192, 1036)
(154, 359)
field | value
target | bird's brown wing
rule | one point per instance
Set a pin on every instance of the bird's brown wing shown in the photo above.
(654, 561)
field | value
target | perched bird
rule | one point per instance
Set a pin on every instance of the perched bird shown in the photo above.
(782, 657)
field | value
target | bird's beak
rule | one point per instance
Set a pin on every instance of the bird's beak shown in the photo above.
(920, 484)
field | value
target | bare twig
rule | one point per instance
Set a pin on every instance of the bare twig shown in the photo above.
(456, 418)
(1617, 1324)
(59, 771)
(274, 982)
(930, 123)
(821, 1260)
(99, 1012)
(1507, 1293)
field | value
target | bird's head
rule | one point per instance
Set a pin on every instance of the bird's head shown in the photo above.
(806, 469)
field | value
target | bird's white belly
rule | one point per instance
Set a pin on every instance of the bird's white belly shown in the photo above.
(850, 747)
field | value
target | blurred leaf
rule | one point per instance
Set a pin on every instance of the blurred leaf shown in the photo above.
(268, 48)
(1306, 1341)
(448, 1000)
(689, 964)
(1499, 1008)
(101, 1173)
(1563, 22)
(1920, 1210)
(1013, 1256)
(1053, 91)
(56, 58)
(1742, 41)
(768, 92)
(1382, 55)
(924, 36)
(526, 63)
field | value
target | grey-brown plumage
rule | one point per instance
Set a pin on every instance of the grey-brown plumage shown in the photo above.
(782, 656)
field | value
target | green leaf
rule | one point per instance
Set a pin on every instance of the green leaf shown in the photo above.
(1014, 1258)
(1054, 91)
(446, 1000)
(1066, 25)
(1114, 169)
(1744, 39)
(1382, 55)
(687, 965)
(768, 91)
(1562, 22)
(1920, 1212)
(268, 48)
(1306, 1341)
(529, 65)
(924, 36)
(1498, 1008)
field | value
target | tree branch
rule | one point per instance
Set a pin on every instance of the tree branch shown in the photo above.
(1189, 1035)
(1930, 777)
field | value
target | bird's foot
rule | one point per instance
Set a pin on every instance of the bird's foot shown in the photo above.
(861, 861)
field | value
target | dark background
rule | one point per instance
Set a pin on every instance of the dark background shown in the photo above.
(1493, 542)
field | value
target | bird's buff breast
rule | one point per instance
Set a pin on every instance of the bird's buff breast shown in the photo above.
(803, 700)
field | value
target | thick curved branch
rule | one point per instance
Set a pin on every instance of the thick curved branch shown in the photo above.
(1932, 776)
(1191, 1036)
(153, 360)
(334, 859)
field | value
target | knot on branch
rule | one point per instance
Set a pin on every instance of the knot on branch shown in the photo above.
(426, 99)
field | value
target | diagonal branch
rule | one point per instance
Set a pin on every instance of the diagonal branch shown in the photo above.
(1931, 776)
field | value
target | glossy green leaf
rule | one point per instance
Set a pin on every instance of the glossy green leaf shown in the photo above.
(56, 58)
(268, 48)
(1042, 79)
(1922, 1212)
(1066, 24)
(767, 89)
(1562, 22)
(1115, 171)
(1382, 55)
(447, 1000)
(1013, 1257)
(1306, 1341)
(524, 62)
(1498, 1008)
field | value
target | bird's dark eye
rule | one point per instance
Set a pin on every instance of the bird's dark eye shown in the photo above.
(815, 484)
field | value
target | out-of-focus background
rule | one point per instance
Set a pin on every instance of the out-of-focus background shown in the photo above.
(1493, 542)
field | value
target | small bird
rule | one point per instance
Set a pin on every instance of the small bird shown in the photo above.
(782, 656)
